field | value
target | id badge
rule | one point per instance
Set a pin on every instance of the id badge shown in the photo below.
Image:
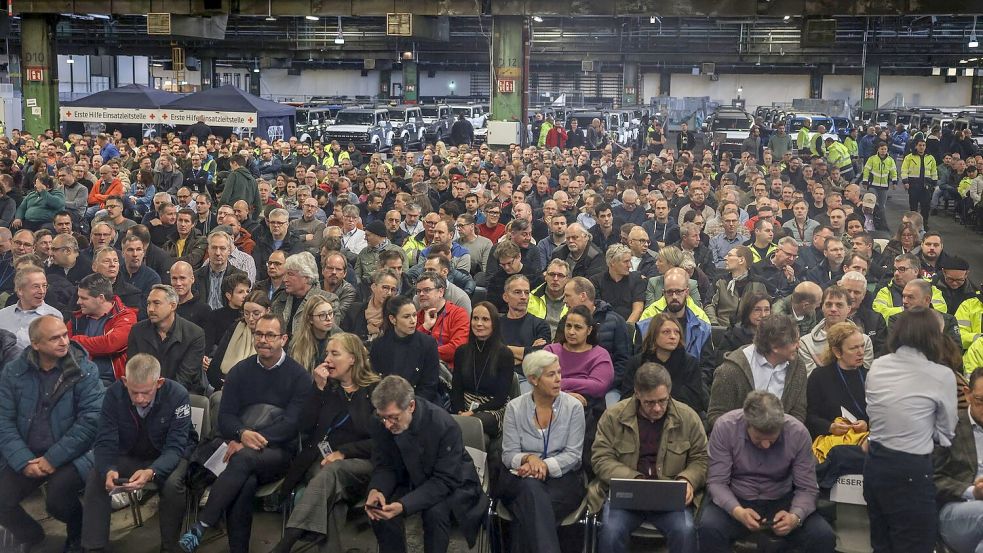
(325, 448)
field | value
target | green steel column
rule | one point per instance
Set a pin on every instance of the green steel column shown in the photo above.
(411, 83)
(510, 68)
(629, 91)
(871, 87)
(39, 73)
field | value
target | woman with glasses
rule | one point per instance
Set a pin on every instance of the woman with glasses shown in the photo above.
(663, 344)
(336, 421)
(483, 371)
(904, 241)
(237, 343)
(541, 481)
(308, 345)
(404, 351)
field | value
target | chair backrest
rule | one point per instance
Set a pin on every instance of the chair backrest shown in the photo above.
(514, 390)
(213, 402)
(473, 436)
(201, 417)
(881, 243)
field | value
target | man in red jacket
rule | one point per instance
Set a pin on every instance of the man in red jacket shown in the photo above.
(447, 323)
(102, 326)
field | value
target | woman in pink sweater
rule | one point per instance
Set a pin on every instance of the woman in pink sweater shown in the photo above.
(586, 369)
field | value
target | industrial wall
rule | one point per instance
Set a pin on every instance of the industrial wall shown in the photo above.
(756, 89)
(276, 84)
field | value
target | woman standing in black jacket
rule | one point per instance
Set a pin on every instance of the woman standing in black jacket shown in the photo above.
(404, 351)
(335, 423)
(483, 371)
(663, 344)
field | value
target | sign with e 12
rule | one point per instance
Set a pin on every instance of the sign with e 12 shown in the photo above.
(506, 86)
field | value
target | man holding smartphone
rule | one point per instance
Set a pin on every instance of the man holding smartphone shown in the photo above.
(145, 436)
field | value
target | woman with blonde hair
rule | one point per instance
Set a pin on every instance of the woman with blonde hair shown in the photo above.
(308, 345)
(337, 420)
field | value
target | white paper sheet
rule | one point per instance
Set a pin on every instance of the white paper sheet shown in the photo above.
(215, 463)
(197, 414)
(480, 461)
(847, 415)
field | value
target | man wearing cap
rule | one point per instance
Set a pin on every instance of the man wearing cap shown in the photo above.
(872, 214)
(954, 283)
(367, 260)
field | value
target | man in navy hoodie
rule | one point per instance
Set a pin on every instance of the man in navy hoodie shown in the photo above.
(145, 436)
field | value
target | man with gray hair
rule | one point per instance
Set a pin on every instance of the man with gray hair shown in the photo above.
(621, 287)
(778, 272)
(762, 478)
(278, 237)
(208, 279)
(584, 257)
(420, 466)
(178, 344)
(632, 436)
(50, 397)
(146, 436)
(301, 282)
(862, 315)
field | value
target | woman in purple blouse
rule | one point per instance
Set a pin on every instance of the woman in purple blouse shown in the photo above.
(586, 368)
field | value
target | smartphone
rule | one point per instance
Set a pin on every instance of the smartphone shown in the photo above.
(473, 406)
(121, 481)
(373, 507)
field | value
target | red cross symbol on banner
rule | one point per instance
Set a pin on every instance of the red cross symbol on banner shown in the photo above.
(152, 117)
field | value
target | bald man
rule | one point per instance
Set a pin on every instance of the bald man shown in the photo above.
(801, 305)
(189, 306)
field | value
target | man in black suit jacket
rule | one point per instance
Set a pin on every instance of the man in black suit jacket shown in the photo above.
(208, 279)
(420, 467)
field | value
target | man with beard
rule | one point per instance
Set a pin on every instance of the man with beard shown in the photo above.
(931, 255)
(662, 228)
(830, 269)
(678, 304)
(584, 257)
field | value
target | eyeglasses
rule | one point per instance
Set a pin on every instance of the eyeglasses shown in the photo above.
(556, 275)
(902, 269)
(493, 212)
(274, 263)
(790, 255)
(391, 419)
(648, 403)
(268, 336)
(22, 244)
(277, 223)
(326, 316)
(679, 292)
(423, 291)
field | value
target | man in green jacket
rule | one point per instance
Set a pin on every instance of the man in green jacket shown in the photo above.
(650, 436)
(240, 185)
(39, 207)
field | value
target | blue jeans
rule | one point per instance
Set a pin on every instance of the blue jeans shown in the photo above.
(677, 526)
(961, 526)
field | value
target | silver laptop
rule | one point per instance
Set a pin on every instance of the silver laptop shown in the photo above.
(647, 495)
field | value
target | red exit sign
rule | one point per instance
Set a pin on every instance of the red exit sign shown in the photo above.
(35, 74)
(506, 86)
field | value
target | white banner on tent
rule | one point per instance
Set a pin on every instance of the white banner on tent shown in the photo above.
(109, 115)
(158, 116)
(212, 118)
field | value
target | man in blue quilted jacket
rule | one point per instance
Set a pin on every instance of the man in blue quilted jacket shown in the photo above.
(50, 399)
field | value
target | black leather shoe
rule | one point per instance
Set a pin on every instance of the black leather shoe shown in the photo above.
(72, 545)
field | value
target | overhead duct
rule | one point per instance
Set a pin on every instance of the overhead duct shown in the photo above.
(210, 28)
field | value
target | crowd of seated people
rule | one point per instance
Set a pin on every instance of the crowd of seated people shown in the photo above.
(604, 314)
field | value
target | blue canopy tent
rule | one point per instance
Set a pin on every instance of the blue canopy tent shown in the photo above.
(131, 96)
(273, 120)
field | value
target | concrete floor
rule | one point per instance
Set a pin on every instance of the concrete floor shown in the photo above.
(851, 520)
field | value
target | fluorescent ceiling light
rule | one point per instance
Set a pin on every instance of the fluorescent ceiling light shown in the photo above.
(652, 19)
(969, 72)
(951, 71)
(70, 60)
(537, 19)
(786, 18)
(311, 17)
(936, 71)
